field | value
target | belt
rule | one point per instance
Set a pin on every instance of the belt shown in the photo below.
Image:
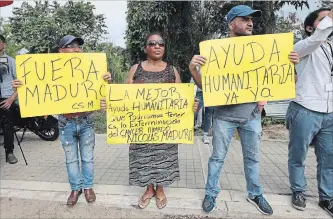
(75, 115)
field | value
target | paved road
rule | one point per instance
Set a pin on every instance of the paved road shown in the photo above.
(46, 163)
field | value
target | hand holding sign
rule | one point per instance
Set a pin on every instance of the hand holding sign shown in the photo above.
(150, 113)
(16, 83)
(107, 77)
(294, 57)
(60, 83)
(248, 69)
(103, 104)
(197, 61)
(196, 105)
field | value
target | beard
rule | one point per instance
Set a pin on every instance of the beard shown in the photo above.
(242, 33)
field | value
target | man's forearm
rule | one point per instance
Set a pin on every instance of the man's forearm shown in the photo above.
(14, 95)
(196, 74)
(313, 42)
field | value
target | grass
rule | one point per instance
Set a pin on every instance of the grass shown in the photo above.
(100, 122)
(271, 121)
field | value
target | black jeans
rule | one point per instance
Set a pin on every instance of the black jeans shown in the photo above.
(7, 121)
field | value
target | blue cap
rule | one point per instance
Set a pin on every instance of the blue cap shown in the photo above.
(66, 40)
(242, 11)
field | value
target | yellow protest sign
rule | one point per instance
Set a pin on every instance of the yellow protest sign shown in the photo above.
(150, 113)
(60, 83)
(247, 69)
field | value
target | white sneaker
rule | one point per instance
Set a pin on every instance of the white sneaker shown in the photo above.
(205, 139)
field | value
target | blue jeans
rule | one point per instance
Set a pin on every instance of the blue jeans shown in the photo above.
(207, 119)
(306, 126)
(208, 112)
(78, 134)
(250, 134)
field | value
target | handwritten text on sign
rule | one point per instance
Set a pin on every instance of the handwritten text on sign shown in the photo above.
(150, 113)
(60, 83)
(247, 69)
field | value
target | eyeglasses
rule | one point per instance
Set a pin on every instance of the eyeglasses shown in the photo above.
(155, 43)
(72, 46)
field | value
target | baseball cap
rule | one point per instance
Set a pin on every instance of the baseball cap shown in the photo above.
(242, 11)
(66, 40)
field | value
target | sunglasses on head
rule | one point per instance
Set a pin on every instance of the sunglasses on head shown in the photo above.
(155, 43)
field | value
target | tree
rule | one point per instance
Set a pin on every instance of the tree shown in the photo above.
(185, 24)
(1, 25)
(11, 47)
(117, 63)
(217, 10)
(172, 20)
(38, 27)
(291, 23)
(327, 3)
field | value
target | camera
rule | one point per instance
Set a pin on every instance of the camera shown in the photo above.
(4, 68)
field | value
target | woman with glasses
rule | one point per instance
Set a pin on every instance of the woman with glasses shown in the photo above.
(153, 165)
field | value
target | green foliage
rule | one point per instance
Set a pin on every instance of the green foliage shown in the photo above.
(99, 122)
(117, 63)
(291, 24)
(271, 121)
(217, 10)
(11, 47)
(171, 19)
(185, 24)
(40, 25)
(326, 3)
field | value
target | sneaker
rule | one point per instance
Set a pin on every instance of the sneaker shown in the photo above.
(299, 201)
(327, 205)
(205, 139)
(11, 159)
(261, 204)
(209, 204)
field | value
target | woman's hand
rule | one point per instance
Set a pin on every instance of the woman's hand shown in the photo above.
(196, 105)
(16, 83)
(107, 77)
(103, 104)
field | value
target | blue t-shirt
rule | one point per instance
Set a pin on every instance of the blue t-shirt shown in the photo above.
(8, 74)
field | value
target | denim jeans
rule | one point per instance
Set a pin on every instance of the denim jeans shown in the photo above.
(207, 119)
(76, 135)
(208, 112)
(306, 126)
(250, 134)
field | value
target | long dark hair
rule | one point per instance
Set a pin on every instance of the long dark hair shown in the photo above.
(2, 38)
